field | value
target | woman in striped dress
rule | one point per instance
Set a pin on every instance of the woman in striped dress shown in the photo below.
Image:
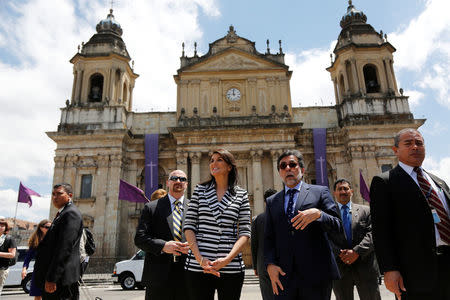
(217, 226)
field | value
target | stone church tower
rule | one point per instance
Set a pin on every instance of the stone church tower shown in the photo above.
(232, 97)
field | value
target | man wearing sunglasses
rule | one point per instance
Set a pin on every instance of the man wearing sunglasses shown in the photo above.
(297, 252)
(159, 234)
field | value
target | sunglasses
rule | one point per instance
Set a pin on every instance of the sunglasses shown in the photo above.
(291, 165)
(46, 226)
(175, 178)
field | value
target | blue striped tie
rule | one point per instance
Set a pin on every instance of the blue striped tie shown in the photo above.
(177, 221)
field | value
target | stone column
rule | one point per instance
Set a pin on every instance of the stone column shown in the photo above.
(78, 86)
(195, 168)
(101, 195)
(355, 76)
(74, 86)
(336, 95)
(112, 207)
(346, 90)
(258, 197)
(112, 80)
(182, 160)
(277, 183)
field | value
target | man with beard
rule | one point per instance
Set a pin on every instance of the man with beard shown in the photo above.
(297, 252)
(159, 234)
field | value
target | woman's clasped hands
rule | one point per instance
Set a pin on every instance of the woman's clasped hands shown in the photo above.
(213, 267)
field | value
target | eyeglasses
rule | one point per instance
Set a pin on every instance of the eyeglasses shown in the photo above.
(291, 165)
(175, 178)
(46, 226)
(2, 224)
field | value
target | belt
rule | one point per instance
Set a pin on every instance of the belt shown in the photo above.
(443, 249)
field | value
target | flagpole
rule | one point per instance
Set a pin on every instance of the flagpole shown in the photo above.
(15, 215)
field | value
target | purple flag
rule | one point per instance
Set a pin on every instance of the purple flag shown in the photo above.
(363, 189)
(25, 194)
(151, 163)
(320, 155)
(131, 193)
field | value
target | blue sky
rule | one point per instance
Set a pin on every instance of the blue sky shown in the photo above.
(38, 37)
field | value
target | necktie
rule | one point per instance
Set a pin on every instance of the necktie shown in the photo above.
(435, 203)
(177, 221)
(290, 208)
(347, 222)
(57, 214)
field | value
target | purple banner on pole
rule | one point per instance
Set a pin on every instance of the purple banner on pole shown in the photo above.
(131, 193)
(363, 189)
(151, 163)
(25, 195)
(320, 155)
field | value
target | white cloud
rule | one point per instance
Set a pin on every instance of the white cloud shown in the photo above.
(39, 39)
(414, 97)
(439, 168)
(424, 47)
(311, 84)
(38, 211)
(422, 36)
(438, 79)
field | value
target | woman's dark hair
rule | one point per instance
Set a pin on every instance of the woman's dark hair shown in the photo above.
(7, 225)
(37, 236)
(233, 175)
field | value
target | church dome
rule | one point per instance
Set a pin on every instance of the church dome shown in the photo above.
(353, 16)
(107, 40)
(109, 24)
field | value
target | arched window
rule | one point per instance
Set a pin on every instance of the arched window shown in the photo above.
(371, 79)
(95, 88)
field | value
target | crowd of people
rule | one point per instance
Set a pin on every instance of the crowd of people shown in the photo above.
(305, 245)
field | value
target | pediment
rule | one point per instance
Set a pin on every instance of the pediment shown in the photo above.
(233, 60)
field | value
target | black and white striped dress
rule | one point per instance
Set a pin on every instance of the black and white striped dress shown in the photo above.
(217, 225)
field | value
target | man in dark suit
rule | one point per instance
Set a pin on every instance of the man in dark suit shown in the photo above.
(159, 234)
(411, 224)
(257, 245)
(297, 252)
(353, 248)
(57, 267)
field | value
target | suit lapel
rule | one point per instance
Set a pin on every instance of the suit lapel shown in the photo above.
(167, 210)
(213, 203)
(304, 190)
(355, 219)
(407, 180)
(440, 183)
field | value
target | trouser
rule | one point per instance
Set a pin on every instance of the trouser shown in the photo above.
(63, 292)
(174, 288)
(367, 286)
(202, 286)
(265, 286)
(297, 289)
(3, 275)
(442, 292)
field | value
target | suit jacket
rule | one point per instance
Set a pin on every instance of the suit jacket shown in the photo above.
(365, 267)
(257, 244)
(58, 254)
(155, 228)
(403, 228)
(217, 225)
(307, 251)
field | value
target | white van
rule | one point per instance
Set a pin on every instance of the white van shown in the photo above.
(129, 272)
(15, 272)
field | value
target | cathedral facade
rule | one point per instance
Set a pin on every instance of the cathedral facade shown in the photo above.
(232, 97)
